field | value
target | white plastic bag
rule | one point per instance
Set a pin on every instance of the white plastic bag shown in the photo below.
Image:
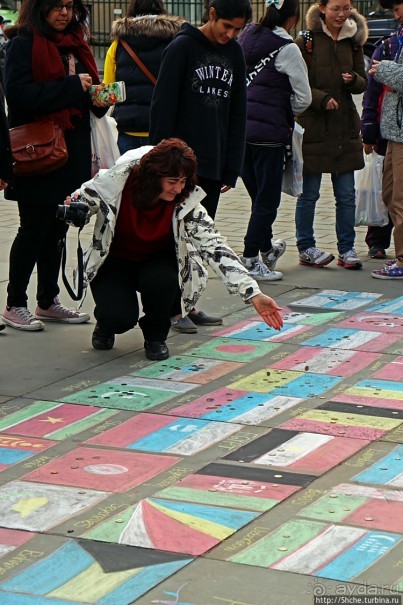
(292, 177)
(370, 208)
(104, 146)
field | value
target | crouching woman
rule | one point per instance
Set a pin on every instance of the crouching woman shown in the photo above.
(153, 237)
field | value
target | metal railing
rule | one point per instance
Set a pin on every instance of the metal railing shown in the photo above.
(104, 12)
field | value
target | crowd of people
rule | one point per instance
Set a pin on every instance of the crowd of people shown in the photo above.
(204, 106)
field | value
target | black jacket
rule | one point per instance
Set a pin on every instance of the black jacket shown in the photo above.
(28, 99)
(148, 36)
(200, 97)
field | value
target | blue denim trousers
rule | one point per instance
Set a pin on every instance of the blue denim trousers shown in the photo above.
(344, 193)
(128, 141)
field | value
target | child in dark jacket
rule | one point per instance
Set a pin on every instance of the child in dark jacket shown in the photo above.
(389, 73)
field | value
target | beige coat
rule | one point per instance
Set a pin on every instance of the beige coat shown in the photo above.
(332, 141)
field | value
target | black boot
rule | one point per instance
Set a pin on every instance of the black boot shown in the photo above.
(156, 350)
(102, 340)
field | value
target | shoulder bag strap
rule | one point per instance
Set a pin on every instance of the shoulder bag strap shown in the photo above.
(139, 62)
(262, 63)
(80, 269)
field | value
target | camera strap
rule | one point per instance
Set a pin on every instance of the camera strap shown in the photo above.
(80, 269)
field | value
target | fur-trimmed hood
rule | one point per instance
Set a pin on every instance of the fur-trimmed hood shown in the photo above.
(164, 27)
(355, 26)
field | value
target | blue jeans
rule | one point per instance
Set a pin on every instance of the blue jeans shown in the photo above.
(128, 141)
(344, 192)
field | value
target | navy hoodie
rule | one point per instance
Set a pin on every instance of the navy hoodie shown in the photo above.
(200, 97)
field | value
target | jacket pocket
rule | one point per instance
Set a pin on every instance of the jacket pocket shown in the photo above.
(355, 123)
(314, 127)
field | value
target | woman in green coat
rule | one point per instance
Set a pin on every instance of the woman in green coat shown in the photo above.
(332, 47)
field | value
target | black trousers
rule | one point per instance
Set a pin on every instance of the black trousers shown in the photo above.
(36, 243)
(262, 175)
(115, 289)
(212, 189)
(379, 236)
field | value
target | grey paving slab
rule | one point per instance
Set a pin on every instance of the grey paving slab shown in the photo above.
(207, 582)
(346, 526)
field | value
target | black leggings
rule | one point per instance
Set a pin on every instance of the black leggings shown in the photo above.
(36, 243)
(115, 290)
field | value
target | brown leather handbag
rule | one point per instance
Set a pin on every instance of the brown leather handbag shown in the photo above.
(38, 148)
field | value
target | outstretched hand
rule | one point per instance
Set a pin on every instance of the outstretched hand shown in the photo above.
(268, 310)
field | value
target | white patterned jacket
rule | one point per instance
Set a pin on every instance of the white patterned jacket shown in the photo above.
(197, 241)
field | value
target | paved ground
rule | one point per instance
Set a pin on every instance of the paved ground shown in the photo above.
(251, 468)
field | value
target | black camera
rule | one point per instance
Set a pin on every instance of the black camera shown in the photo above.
(75, 214)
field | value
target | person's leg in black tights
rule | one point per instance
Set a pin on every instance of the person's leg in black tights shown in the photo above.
(35, 243)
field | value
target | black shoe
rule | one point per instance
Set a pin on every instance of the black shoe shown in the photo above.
(102, 340)
(183, 325)
(201, 319)
(156, 350)
(377, 252)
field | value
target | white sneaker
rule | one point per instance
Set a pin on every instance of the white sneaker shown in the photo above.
(270, 258)
(58, 312)
(349, 260)
(258, 270)
(2, 326)
(21, 319)
(314, 257)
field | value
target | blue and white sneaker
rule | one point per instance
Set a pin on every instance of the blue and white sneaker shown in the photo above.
(270, 258)
(314, 257)
(259, 271)
(349, 260)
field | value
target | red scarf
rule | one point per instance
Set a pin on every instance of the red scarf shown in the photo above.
(47, 65)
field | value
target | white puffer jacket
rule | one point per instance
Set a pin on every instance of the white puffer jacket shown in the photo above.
(197, 241)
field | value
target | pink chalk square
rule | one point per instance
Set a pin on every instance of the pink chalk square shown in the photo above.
(379, 514)
(99, 469)
(326, 428)
(333, 362)
(255, 489)
(14, 538)
(50, 421)
(207, 403)
(392, 371)
(15, 449)
(374, 322)
(376, 402)
(238, 348)
(329, 455)
(131, 430)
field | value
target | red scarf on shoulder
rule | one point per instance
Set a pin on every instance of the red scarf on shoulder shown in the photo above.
(47, 65)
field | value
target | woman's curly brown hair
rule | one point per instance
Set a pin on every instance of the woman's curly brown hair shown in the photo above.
(170, 158)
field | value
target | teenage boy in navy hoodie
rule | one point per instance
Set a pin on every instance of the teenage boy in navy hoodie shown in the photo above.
(200, 97)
